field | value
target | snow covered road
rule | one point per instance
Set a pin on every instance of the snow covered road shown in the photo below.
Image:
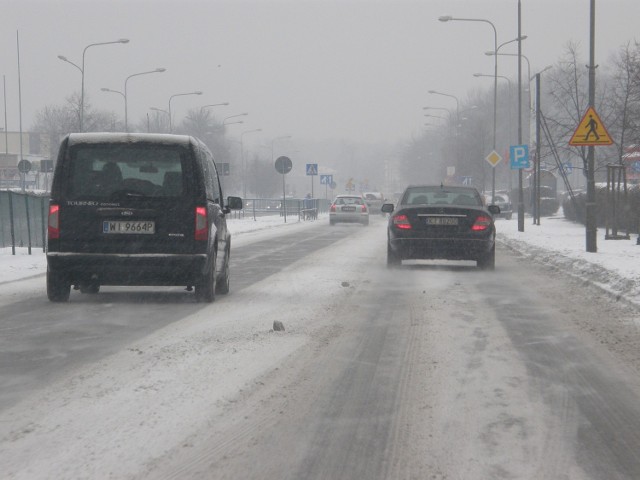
(430, 371)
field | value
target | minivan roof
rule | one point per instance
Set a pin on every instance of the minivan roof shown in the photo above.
(108, 137)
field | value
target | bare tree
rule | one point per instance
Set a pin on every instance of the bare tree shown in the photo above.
(623, 99)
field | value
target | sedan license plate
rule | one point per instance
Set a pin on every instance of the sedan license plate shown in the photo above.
(445, 221)
(348, 209)
(143, 227)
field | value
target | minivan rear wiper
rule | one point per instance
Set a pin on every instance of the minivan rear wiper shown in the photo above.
(127, 193)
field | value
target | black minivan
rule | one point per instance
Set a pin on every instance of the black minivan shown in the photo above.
(137, 209)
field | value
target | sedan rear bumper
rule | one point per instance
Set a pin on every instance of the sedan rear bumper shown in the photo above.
(441, 248)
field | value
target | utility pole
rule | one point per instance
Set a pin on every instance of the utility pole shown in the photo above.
(591, 224)
(520, 192)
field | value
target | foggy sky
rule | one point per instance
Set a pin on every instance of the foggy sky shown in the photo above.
(311, 69)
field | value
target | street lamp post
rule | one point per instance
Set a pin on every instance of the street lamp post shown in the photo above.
(478, 75)
(433, 92)
(160, 110)
(449, 18)
(124, 94)
(244, 171)
(456, 130)
(537, 165)
(224, 120)
(284, 190)
(126, 119)
(213, 105)
(118, 92)
(440, 108)
(198, 92)
(82, 70)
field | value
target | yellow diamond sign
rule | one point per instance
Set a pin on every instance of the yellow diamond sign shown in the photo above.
(493, 158)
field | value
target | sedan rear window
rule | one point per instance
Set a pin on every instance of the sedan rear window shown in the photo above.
(442, 196)
(103, 170)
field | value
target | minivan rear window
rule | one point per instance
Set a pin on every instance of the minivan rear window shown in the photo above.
(105, 170)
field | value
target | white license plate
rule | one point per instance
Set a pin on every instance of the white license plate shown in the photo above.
(348, 209)
(445, 221)
(141, 227)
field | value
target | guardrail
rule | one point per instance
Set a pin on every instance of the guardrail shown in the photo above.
(303, 208)
(23, 215)
(23, 219)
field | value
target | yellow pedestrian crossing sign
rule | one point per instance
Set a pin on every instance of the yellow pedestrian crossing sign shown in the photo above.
(591, 132)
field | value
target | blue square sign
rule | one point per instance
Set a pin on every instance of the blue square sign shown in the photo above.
(519, 157)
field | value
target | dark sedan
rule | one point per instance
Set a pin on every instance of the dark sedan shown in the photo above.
(440, 222)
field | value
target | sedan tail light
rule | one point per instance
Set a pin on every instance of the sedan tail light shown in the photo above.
(202, 225)
(482, 223)
(364, 209)
(332, 208)
(53, 228)
(402, 221)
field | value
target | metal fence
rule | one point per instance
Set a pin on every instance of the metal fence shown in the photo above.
(23, 219)
(302, 208)
(23, 215)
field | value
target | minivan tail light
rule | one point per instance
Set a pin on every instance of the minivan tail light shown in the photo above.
(364, 209)
(402, 221)
(332, 208)
(202, 227)
(482, 223)
(53, 227)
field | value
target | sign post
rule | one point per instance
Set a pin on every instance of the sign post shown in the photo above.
(284, 165)
(591, 132)
(326, 180)
(312, 171)
(494, 159)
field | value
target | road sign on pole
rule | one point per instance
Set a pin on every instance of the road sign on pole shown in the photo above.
(591, 132)
(493, 158)
(519, 156)
(284, 165)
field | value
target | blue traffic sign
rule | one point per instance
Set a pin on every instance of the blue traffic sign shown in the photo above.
(312, 169)
(519, 157)
(326, 179)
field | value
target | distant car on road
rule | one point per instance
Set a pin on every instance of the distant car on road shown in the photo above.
(438, 222)
(503, 201)
(350, 209)
(374, 201)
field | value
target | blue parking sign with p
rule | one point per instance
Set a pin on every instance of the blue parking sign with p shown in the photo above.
(519, 157)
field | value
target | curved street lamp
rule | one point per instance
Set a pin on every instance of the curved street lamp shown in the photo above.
(449, 18)
(124, 94)
(439, 108)
(126, 119)
(197, 92)
(213, 105)
(155, 109)
(116, 91)
(434, 92)
(82, 70)
(224, 120)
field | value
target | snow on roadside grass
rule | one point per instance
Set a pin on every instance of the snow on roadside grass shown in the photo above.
(561, 243)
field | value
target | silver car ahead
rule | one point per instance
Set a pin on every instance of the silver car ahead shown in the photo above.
(349, 208)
